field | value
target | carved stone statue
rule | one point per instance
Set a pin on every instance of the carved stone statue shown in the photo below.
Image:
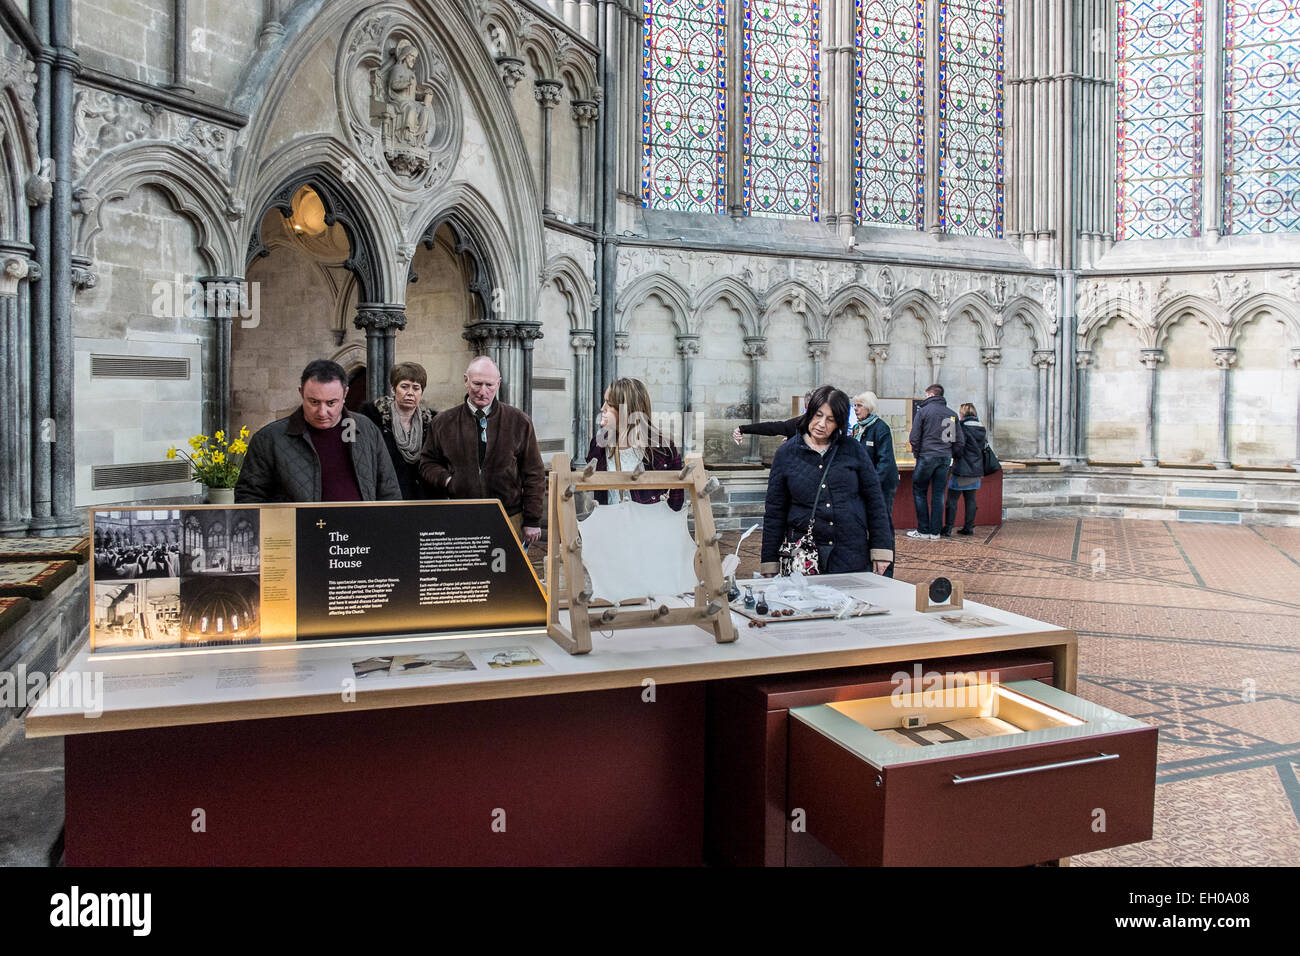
(405, 118)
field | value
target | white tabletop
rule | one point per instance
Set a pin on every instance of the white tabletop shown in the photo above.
(118, 692)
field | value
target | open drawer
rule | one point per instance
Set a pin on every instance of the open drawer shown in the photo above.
(990, 774)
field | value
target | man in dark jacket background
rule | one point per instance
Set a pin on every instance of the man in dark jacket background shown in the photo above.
(319, 453)
(936, 439)
(484, 448)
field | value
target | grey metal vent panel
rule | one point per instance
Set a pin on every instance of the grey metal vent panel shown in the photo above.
(103, 477)
(548, 384)
(1219, 517)
(551, 444)
(140, 366)
(1226, 494)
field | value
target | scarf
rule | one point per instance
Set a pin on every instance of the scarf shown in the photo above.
(408, 441)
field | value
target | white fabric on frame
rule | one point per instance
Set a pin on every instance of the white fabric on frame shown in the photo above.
(635, 551)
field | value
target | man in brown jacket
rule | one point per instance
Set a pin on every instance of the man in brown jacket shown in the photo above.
(486, 449)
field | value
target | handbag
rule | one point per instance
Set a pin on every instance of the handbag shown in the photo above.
(991, 463)
(802, 554)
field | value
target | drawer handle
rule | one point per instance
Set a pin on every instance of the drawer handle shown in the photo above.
(1046, 766)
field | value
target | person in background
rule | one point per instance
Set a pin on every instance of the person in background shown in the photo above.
(484, 448)
(403, 421)
(322, 452)
(787, 429)
(967, 471)
(936, 439)
(626, 438)
(875, 435)
(851, 528)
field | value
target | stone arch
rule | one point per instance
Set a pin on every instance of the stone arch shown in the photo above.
(873, 312)
(577, 73)
(193, 189)
(976, 308)
(667, 290)
(1030, 312)
(798, 294)
(739, 296)
(367, 258)
(537, 46)
(1261, 305)
(577, 288)
(456, 28)
(470, 240)
(21, 157)
(1092, 327)
(1198, 310)
(922, 308)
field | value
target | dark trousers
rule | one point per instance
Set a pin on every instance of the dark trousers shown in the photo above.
(889, 510)
(930, 475)
(950, 512)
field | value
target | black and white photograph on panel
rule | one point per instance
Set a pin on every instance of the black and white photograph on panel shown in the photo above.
(137, 544)
(221, 541)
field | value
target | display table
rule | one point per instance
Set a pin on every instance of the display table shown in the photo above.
(988, 498)
(410, 752)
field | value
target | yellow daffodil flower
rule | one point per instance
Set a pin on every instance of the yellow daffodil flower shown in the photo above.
(243, 432)
(171, 452)
(220, 437)
(238, 446)
(218, 458)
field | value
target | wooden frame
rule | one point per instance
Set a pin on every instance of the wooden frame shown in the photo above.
(924, 606)
(564, 547)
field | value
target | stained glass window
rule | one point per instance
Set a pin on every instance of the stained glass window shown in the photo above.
(1159, 171)
(1261, 116)
(889, 110)
(781, 68)
(683, 109)
(970, 117)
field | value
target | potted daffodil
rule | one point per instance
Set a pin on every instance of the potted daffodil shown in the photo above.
(215, 463)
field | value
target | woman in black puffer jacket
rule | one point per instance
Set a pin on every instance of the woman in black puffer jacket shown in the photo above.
(851, 527)
(964, 479)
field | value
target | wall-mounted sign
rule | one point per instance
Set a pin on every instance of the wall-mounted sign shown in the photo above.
(206, 576)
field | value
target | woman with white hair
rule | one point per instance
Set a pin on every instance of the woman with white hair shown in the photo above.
(876, 436)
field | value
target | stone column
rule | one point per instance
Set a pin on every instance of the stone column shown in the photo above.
(272, 28)
(1224, 358)
(1083, 362)
(224, 297)
(622, 342)
(818, 348)
(992, 358)
(585, 113)
(15, 386)
(583, 343)
(547, 94)
(1043, 360)
(529, 332)
(63, 515)
(756, 349)
(688, 346)
(1151, 359)
(877, 355)
(936, 354)
(1295, 462)
(180, 45)
(380, 320)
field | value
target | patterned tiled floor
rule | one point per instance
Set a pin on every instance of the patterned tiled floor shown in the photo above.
(1192, 627)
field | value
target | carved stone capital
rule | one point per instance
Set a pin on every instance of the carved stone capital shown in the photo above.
(1295, 357)
(1225, 357)
(937, 353)
(878, 353)
(1150, 358)
(511, 69)
(688, 345)
(224, 296)
(755, 346)
(38, 189)
(13, 269)
(528, 332)
(991, 355)
(379, 316)
(83, 277)
(1083, 358)
(818, 348)
(585, 112)
(621, 343)
(547, 92)
(582, 341)
(1043, 358)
